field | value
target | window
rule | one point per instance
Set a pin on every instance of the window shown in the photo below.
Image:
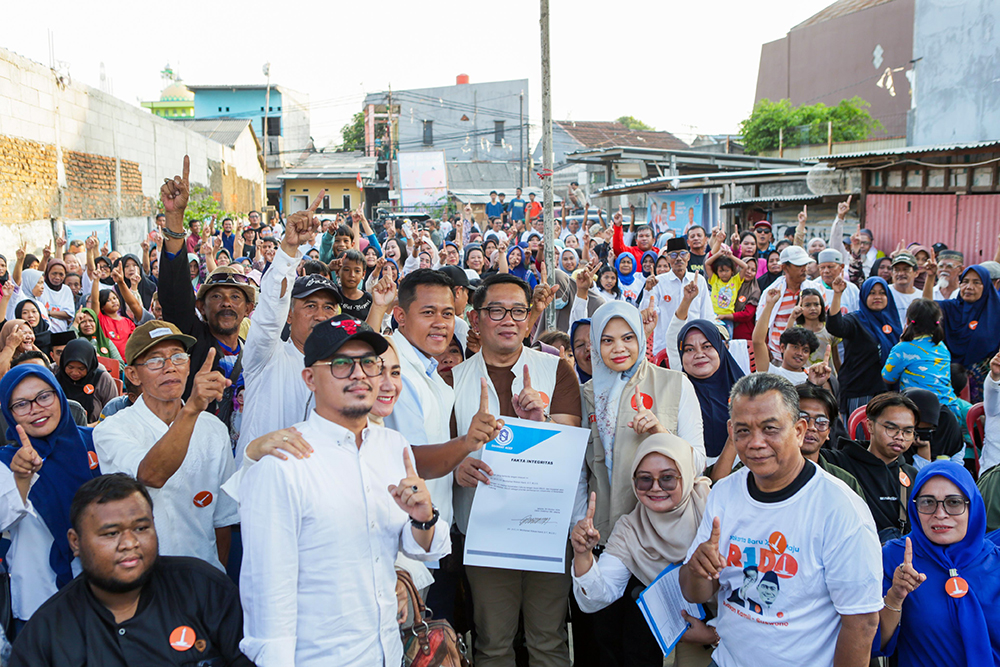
(220, 108)
(274, 127)
(915, 178)
(875, 179)
(958, 177)
(347, 202)
(982, 177)
(498, 131)
(428, 133)
(935, 178)
(326, 202)
(227, 109)
(896, 178)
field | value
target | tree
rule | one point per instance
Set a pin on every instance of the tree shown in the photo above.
(353, 134)
(633, 123)
(202, 206)
(805, 124)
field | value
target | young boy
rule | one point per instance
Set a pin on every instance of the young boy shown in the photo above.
(797, 344)
(356, 302)
(724, 274)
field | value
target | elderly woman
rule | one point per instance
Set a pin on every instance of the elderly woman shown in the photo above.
(942, 583)
(656, 534)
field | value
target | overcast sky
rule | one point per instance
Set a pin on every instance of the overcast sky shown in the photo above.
(687, 67)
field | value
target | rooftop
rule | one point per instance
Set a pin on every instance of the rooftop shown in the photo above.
(332, 165)
(902, 151)
(602, 134)
(225, 131)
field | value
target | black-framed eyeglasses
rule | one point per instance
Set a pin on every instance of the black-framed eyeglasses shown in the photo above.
(228, 278)
(156, 363)
(925, 434)
(821, 423)
(44, 399)
(892, 430)
(343, 367)
(953, 505)
(498, 313)
(666, 481)
(680, 254)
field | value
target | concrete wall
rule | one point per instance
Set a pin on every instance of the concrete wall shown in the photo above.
(957, 96)
(335, 188)
(74, 152)
(833, 60)
(472, 139)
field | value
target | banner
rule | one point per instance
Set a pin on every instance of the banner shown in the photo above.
(675, 210)
(81, 229)
(423, 180)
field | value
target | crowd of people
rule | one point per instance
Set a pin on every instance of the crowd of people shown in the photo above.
(241, 447)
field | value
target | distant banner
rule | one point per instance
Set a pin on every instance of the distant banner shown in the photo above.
(81, 229)
(423, 179)
(675, 210)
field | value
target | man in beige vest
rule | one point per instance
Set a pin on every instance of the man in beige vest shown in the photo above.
(528, 384)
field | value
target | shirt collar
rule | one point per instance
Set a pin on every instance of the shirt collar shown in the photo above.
(336, 432)
(430, 363)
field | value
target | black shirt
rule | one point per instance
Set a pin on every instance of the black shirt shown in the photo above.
(696, 263)
(807, 472)
(860, 373)
(186, 604)
(880, 481)
(356, 308)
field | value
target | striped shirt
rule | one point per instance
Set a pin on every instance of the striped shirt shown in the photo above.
(785, 306)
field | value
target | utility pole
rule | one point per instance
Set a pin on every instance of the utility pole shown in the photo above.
(390, 146)
(267, 106)
(550, 249)
(520, 143)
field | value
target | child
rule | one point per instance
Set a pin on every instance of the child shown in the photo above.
(796, 344)
(356, 302)
(724, 273)
(810, 312)
(607, 282)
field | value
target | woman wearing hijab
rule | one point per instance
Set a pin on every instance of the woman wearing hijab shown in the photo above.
(579, 337)
(28, 311)
(137, 279)
(40, 560)
(773, 270)
(31, 288)
(569, 259)
(4, 274)
(869, 334)
(84, 380)
(628, 284)
(58, 298)
(621, 373)
(516, 266)
(16, 337)
(746, 302)
(655, 535)
(971, 325)
(942, 583)
(882, 268)
(88, 327)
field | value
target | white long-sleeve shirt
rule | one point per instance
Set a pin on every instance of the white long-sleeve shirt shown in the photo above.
(667, 294)
(601, 585)
(320, 536)
(276, 396)
(990, 456)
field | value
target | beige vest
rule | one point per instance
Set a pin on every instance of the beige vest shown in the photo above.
(616, 499)
(467, 375)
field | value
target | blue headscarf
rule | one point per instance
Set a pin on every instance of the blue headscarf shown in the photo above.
(713, 391)
(875, 321)
(626, 278)
(942, 625)
(653, 256)
(520, 270)
(584, 377)
(67, 453)
(969, 346)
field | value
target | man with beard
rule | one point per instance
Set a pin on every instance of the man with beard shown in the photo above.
(131, 606)
(223, 300)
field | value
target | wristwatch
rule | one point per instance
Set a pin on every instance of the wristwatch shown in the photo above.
(426, 525)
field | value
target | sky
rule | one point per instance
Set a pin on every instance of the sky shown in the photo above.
(686, 67)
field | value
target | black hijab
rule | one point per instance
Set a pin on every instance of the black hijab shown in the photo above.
(146, 286)
(43, 337)
(82, 390)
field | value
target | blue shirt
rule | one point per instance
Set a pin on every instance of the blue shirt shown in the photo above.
(922, 364)
(494, 210)
(517, 209)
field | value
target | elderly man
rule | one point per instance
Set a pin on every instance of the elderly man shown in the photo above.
(180, 452)
(792, 280)
(904, 270)
(667, 290)
(321, 534)
(801, 527)
(950, 264)
(831, 265)
(132, 606)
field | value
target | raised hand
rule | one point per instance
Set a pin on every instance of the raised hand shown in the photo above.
(796, 314)
(277, 443)
(839, 285)
(542, 296)
(26, 461)
(144, 244)
(208, 384)
(843, 207)
(931, 267)
(91, 242)
(584, 536)
(706, 561)
(690, 291)
(616, 219)
(995, 367)
(644, 421)
(205, 249)
(47, 250)
(117, 274)
(905, 579)
(411, 494)
(303, 223)
(529, 403)
(650, 318)
(803, 216)
(772, 297)
(384, 291)
(60, 241)
(820, 372)
(484, 426)
(21, 252)
(651, 282)
(174, 192)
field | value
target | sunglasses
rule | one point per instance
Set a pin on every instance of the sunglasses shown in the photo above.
(228, 279)
(666, 481)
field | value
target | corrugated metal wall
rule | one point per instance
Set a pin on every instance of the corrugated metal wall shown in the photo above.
(969, 223)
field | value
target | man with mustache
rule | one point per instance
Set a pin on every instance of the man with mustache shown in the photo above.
(223, 300)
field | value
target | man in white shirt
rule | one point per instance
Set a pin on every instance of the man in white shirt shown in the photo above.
(811, 538)
(950, 264)
(180, 452)
(831, 265)
(275, 396)
(904, 270)
(321, 534)
(793, 279)
(667, 289)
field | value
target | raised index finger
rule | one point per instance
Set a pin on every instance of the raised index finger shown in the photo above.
(591, 505)
(849, 200)
(186, 169)
(527, 377)
(484, 396)
(315, 205)
(716, 531)
(25, 442)
(408, 464)
(209, 360)
(907, 553)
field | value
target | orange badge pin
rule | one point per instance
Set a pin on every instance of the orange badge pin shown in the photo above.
(956, 587)
(904, 479)
(203, 499)
(973, 324)
(886, 329)
(182, 638)
(92, 459)
(666, 297)
(545, 398)
(88, 389)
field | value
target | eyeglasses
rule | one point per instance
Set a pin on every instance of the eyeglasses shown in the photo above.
(497, 313)
(892, 430)
(821, 423)
(953, 505)
(645, 482)
(228, 278)
(156, 363)
(343, 367)
(682, 254)
(762, 230)
(44, 399)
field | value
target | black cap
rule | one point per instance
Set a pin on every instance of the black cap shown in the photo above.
(328, 337)
(306, 285)
(928, 404)
(457, 275)
(677, 243)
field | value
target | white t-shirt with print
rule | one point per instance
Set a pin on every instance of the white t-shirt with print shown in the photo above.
(816, 555)
(795, 377)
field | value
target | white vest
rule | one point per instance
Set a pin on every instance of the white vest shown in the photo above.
(468, 389)
(435, 399)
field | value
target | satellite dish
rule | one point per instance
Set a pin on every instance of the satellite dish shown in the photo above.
(825, 181)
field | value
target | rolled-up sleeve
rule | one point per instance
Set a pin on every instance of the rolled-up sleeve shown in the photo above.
(440, 543)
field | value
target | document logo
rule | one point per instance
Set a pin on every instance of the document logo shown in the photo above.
(518, 439)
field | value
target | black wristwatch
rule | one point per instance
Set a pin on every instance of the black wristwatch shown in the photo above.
(426, 525)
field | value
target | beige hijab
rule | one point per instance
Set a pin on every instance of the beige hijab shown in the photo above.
(646, 541)
(375, 419)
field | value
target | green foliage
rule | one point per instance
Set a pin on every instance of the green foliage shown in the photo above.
(806, 124)
(353, 134)
(634, 123)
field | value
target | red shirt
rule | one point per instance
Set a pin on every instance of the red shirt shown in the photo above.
(117, 330)
(534, 209)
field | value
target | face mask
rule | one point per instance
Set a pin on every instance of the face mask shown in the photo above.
(561, 303)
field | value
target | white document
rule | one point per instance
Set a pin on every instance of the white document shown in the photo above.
(661, 603)
(520, 520)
